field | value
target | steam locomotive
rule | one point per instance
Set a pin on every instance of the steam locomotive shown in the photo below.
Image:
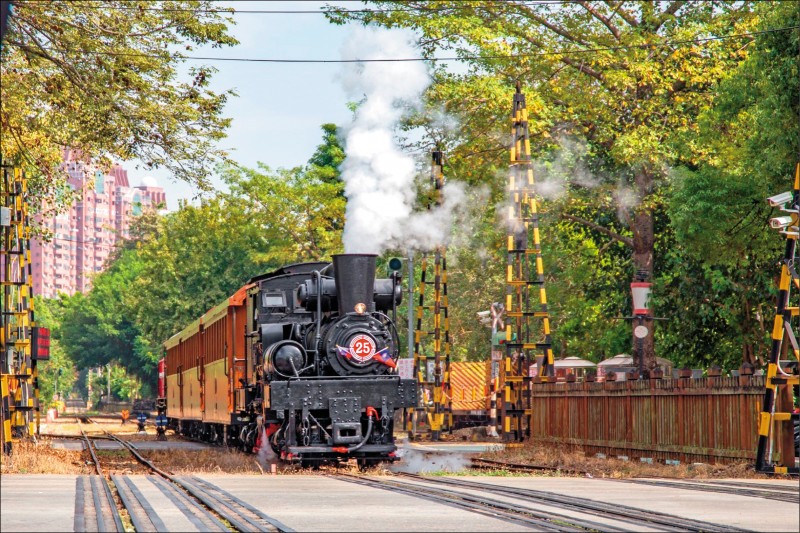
(300, 361)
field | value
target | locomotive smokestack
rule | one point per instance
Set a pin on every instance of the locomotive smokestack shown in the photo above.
(355, 280)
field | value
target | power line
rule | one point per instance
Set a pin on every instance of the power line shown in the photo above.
(439, 59)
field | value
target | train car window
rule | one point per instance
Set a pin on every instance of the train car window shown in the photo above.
(273, 299)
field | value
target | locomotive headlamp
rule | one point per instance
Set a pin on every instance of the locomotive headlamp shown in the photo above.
(361, 308)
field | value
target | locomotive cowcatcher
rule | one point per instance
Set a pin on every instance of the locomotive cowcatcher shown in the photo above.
(301, 361)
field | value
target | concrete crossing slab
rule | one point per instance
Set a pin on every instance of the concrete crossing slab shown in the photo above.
(755, 514)
(37, 502)
(317, 503)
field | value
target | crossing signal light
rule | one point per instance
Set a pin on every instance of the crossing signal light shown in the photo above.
(395, 263)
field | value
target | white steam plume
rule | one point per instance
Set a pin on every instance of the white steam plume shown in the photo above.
(420, 462)
(378, 176)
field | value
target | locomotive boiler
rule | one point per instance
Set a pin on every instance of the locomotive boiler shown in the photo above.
(301, 360)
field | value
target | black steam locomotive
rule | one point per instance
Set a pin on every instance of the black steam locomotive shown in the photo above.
(302, 360)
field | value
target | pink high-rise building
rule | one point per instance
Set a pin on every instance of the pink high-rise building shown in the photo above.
(85, 235)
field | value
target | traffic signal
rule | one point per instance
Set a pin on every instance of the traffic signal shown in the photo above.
(395, 264)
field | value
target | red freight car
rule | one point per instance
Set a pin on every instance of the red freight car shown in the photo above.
(205, 364)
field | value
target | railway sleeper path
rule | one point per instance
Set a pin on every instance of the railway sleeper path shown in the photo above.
(160, 502)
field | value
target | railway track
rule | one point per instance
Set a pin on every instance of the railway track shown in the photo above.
(493, 508)
(206, 506)
(95, 507)
(752, 490)
(571, 515)
(480, 463)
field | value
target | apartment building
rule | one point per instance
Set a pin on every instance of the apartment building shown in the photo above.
(84, 236)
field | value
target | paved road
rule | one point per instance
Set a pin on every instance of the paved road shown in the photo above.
(317, 503)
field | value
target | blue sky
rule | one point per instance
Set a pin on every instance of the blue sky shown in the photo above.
(281, 106)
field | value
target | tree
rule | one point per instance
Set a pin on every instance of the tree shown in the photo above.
(630, 77)
(103, 78)
(750, 138)
(99, 328)
(324, 164)
(299, 211)
(194, 259)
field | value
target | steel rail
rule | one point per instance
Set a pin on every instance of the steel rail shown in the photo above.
(98, 506)
(239, 514)
(743, 489)
(748, 491)
(496, 509)
(795, 489)
(483, 464)
(239, 508)
(188, 506)
(607, 510)
(141, 513)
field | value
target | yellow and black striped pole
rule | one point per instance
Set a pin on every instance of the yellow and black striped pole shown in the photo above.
(778, 383)
(524, 278)
(17, 367)
(433, 321)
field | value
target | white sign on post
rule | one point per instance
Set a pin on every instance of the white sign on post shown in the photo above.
(405, 368)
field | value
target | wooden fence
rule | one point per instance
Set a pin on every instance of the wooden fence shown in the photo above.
(711, 419)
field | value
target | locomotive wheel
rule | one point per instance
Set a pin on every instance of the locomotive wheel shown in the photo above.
(366, 463)
(313, 464)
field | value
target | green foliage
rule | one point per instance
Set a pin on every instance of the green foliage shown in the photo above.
(324, 164)
(99, 328)
(298, 211)
(124, 386)
(633, 94)
(721, 269)
(195, 258)
(721, 217)
(104, 78)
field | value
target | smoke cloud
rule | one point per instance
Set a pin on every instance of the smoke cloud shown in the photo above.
(419, 462)
(378, 175)
(563, 168)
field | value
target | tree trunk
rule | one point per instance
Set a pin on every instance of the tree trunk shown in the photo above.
(643, 239)
(748, 333)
